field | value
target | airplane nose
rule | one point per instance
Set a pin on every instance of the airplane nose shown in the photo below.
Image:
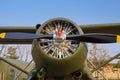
(59, 46)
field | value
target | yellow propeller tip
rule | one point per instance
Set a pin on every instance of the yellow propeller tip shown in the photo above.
(2, 35)
(118, 38)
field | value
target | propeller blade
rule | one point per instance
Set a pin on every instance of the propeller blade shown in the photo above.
(95, 38)
(92, 37)
(19, 35)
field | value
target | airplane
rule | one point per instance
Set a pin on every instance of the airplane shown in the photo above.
(59, 48)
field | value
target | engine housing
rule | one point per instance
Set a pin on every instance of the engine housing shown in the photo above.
(46, 53)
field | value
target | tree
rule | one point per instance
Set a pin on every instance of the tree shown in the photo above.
(11, 53)
(2, 47)
(24, 52)
(98, 55)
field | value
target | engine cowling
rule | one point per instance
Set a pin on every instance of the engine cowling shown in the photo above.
(59, 56)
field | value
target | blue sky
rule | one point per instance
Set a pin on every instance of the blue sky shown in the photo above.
(32, 12)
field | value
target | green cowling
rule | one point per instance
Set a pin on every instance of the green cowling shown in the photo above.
(59, 67)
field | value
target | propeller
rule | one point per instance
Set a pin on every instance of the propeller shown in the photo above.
(91, 37)
(20, 35)
(96, 38)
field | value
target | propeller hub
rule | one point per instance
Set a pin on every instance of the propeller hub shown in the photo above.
(59, 32)
(59, 35)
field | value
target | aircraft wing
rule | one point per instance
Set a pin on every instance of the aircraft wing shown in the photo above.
(27, 29)
(102, 28)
